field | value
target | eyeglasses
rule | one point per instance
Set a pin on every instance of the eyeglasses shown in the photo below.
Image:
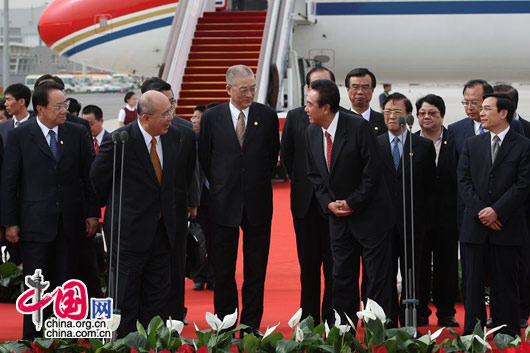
(60, 106)
(389, 112)
(473, 103)
(245, 90)
(173, 101)
(486, 108)
(364, 88)
(423, 113)
(166, 116)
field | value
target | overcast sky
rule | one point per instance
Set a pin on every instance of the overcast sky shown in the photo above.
(24, 3)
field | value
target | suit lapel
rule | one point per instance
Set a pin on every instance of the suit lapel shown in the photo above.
(40, 140)
(470, 129)
(387, 155)
(62, 140)
(253, 124)
(317, 148)
(142, 153)
(505, 147)
(340, 138)
(169, 149)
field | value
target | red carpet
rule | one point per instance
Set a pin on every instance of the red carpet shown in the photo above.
(282, 287)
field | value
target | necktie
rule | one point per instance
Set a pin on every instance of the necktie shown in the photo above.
(329, 148)
(481, 129)
(494, 148)
(156, 160)
(53, 144)
(396, 156)
(17, 123)
(240, 128)
(96, 145)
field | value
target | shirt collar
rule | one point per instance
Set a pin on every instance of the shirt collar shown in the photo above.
(332, 128)
(402, 138)
(365, 114)
(21, 121)
(146, 135)
(235, 111)
(501, 135)
(517, 116)
(129, 107)
(439, 137)
(99, 137)
(45, 130)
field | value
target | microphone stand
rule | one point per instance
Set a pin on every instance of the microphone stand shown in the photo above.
(112, 273)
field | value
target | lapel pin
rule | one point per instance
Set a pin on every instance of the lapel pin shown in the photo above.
(445, 142)
(61, 142)
(256, 123)
(376, 128)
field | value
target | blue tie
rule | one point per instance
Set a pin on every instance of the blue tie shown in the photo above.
(53, 144)
(395, 153)
(481, 129)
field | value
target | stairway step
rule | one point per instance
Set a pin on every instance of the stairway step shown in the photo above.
(227, 41)
(226, 48)
(184, 109)
(211, 70)
(231, 26)
(204, 78)
(199, 93)
(204, 85)
(200, 101)
(224, 55)
(224, 34)
(242, 19)
(223, 62)
(234, 13)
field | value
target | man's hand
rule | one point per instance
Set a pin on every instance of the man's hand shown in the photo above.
(488, 216)
(497, 225)
(193, 212)
(12, 233)
(92, 225)
(340, 208)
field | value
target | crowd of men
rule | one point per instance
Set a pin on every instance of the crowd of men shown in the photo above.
(365, 193)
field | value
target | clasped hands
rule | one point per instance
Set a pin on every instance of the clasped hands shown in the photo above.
(91, 227)
(490, 218)
(340, 208)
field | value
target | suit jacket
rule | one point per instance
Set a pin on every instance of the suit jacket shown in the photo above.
(465, 128)
(377, 121)
(293, 153)
(526, 126)
(239, 177)
(354, 176)
(143, 196)
(37, 191)
(504, 186)
(445, 186)
(71, 118)
(424, 171)
(8, 126)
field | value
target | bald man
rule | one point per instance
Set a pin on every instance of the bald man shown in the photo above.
(157, 171)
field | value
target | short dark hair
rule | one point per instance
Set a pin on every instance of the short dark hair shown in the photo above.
(486, 87)
(19, 91)
(128, 96)
(359, 72)
(200, 108)
(2, 105)
(328, 93)
(47, 78)
(155, 84)
(75, 106)
(504, 102)
(385, 85)
(510, 91)
(93, 109)
(41, 94)
(318, 69)
(432, 99)
(399, 97)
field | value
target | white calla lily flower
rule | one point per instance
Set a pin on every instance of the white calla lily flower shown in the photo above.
(482, 341)
(175, 325)
(487, 333)
(295, 319)
(326, 327)
(349, 320)
(213, 321)
(299, 337)
(376, 309)
(114, 322)
(270, 330)
(337, 318)
(196, 327)
(436, 334)
(230, 320)
(343, 329)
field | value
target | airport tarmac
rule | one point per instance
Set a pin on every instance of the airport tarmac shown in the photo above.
(111, 103)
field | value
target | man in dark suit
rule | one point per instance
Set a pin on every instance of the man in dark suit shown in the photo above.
(344, 166)
(524, 264)
(47, 201)
(360, 83)
(440, 248)
(238, 150)
(157, 170)
(310, 223)
(17, 99)
(494, 180)
(391, 147)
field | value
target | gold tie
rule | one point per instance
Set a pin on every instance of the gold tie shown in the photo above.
(240, 128)
(156, 161)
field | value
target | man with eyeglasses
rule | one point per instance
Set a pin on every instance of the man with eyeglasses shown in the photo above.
(48, 204)
(494, 181)
(157, 171)
(441, 239)
(392, 146)
(360, 83)
(238, 151)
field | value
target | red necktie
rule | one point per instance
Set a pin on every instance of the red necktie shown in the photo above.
(329, 148)
(96, 145)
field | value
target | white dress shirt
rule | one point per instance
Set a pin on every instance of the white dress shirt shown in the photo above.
(477, 127)
(147, 139)
(402, 140)
(17, 123)
(365, 114)
(46, 131)
(332, 130)
(121, 115)
(99, 137)
(501, 135)
(235, 114)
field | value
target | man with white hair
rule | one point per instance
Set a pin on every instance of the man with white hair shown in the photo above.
(238, 150)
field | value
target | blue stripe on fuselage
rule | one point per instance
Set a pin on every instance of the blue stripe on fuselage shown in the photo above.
(119, 34)
(421, 8)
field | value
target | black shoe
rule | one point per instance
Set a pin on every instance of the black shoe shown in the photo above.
(198, 286)
(257, 333)
(448, 321)
(423, 321)
(523, 323)
(489, 323)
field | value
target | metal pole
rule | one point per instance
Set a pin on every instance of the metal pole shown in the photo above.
(6, 44)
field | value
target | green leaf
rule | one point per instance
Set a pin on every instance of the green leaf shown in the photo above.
(141, 329)
(203, 337)
(308, 323)
(359, 347)
(136, 340)
(15, 346)
(391, 345)
(527, 333)
(250, 343)
(44, 342)
(319, 330)
(502, 340)
(325, 348)
(272, 338)
(163, 337)
(95, 343)
(478, 330)
(284, 347)
(155, 323)
(8, 269)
